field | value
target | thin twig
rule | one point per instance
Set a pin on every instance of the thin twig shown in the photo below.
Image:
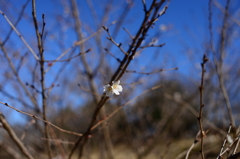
(69, 59)
(153, 72)
(118, 60)
(224, 142)
(20, 36)
(202, 133)
(33, 87)
(111, 39)
(45, 121)
(26, 128)
(128, 33)
(16, 23)
(14, 137)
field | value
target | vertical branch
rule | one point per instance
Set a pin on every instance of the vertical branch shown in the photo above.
(218, 64)
(92, 84)
(14, 137)
(202, 133)
(41, 61)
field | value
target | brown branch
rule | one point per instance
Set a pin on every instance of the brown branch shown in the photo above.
(41, 62)
(111, 39)
(14, 137)
(45, 121)
(118, 60)
(153, 72)
(202, 133)
(122, 67)
(137, 41)
(196, 140)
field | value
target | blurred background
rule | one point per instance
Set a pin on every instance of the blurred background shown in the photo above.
(160, 123)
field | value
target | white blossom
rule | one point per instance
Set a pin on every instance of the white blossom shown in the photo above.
(115, 88)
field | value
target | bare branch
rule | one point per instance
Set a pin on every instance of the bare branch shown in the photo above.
(153, 72)
(69, 59)
(14, 137)
(111, 39)
(128, 33)
(35, 117)
(118, 60)
(20, 36)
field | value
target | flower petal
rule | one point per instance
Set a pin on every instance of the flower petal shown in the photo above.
(116, 92)
(119, 88)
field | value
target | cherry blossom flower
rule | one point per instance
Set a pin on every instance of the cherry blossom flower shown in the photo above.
(115, 88)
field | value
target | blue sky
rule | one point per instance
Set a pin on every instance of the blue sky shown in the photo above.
(184, 29)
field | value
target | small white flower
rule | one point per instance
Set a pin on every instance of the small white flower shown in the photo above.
(229, 139)
(114, 89)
